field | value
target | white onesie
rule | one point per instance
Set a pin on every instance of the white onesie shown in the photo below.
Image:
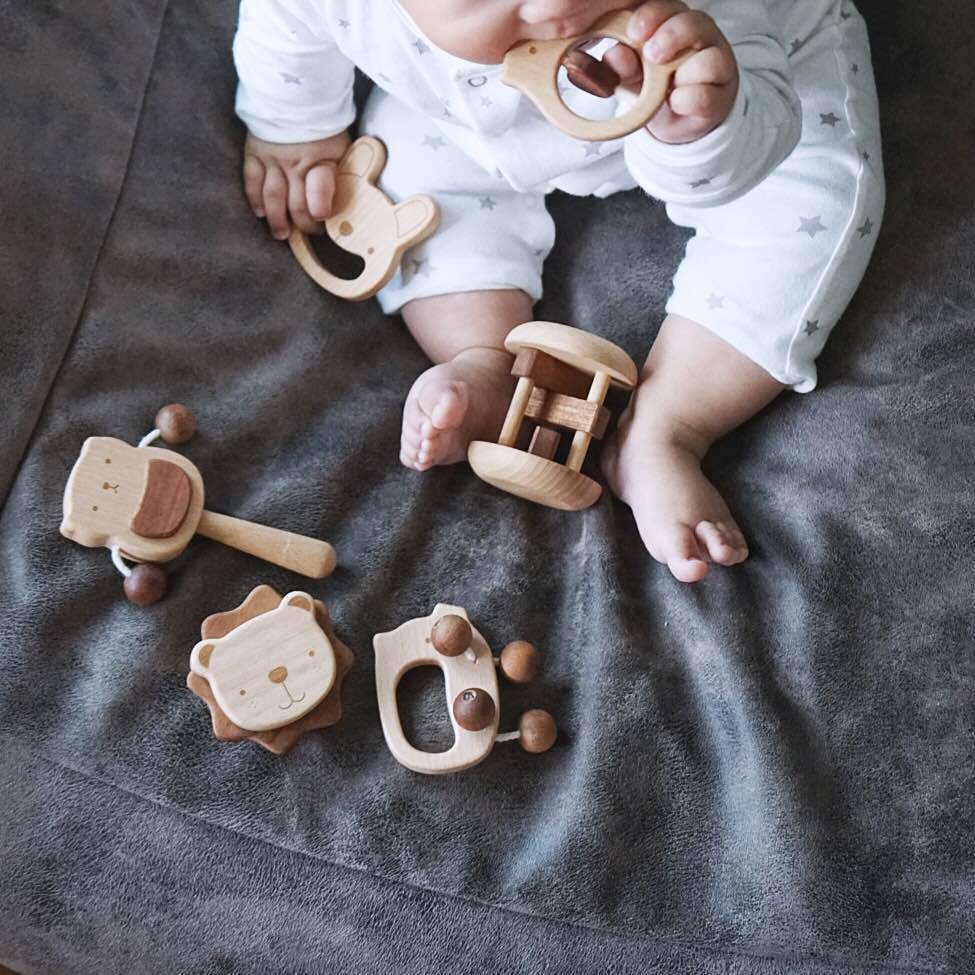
(786, 196)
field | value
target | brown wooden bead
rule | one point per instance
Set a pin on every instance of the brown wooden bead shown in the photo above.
(590, 74)
(474, 709)
(538, 731)
(146, 585)
(519, 661)
(175, 423)
(451, 635)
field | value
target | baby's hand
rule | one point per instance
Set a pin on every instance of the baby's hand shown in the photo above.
(705, 86)
(296, 179)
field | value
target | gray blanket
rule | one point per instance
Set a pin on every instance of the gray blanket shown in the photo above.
(768, 772)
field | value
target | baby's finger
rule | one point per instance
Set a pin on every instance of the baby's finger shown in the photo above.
(254, 184)
(712, 66)
(648, 17)
(692, 29)
(701, 101)
(626, 63)
(320, 190)
(298, 206)
(276, 202)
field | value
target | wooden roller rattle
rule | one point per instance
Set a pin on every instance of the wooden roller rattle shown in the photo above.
(533, 68)
(446, 639)
(145, 504)
(365, 222)
(563, 375)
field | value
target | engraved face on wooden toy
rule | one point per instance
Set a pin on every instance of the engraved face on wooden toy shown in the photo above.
(273, 669)
(146, 500)
(365, 222)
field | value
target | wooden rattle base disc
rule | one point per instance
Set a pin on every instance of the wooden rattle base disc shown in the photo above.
(533, 478)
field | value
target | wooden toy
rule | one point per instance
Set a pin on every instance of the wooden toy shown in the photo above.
(145, 503)
(270, 670)
(533, 68)
(563, 375)
(446, 639)
(367, 223)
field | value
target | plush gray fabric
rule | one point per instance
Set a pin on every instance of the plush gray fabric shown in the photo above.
(769, 772)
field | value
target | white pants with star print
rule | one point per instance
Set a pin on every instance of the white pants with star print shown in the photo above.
(770, 273)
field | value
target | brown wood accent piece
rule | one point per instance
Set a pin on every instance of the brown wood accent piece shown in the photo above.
(280, 740)
(554, 409)
(451, 635)
(146, 584)
(474, 709)
(165, 500)
(519, 661)
(538, 731)
(590, 74)
(545, 442)
(549, 373)
(175, 423)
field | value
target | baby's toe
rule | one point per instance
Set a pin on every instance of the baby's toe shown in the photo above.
(723, 543)
(444, 403)
(678, 547)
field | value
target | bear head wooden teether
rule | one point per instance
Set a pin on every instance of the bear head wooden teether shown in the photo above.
(446, 639)
(145, 503)
(365, 222)
(563, 375)
(270, 670)
(533, 68)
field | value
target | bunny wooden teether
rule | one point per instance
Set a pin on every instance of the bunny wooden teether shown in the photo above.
(145, 504)
(533, 68)
(446, 639)
(367, 223)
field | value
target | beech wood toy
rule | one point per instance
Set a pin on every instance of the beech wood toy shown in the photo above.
(367, 223)
(563, 375)
(533, 68)
(270, 670)
(145, 503)
(447, 640)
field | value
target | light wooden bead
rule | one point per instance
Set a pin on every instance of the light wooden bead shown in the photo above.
(451, 635)
(538, 731)
(474, 709)
(146, 584)
(175, 423)
(519, 661)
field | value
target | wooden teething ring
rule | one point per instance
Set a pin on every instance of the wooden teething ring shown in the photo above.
(533, 68)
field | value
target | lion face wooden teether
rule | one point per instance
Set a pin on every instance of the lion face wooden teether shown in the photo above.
(146, 503)
(446, 639)
(533, 68)
(270, 670)
(365, 222)
(563, 375)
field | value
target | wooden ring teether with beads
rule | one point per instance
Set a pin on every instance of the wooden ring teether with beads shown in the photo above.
(145, 503)
(446, 639)
(533, 68)
(563, 375)
(365, 222)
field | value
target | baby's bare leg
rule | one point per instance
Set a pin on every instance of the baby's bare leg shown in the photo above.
(464, 396)
(693, 390)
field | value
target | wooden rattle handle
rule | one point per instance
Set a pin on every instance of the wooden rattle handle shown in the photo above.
(533, 67)
(306, 556)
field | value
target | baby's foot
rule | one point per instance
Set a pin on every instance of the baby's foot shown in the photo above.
(454, 403)
(682, 519)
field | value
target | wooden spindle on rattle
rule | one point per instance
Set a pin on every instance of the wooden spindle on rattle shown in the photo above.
(533, 68)
(145, 503)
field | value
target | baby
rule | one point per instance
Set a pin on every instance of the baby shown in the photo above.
(768, 147)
